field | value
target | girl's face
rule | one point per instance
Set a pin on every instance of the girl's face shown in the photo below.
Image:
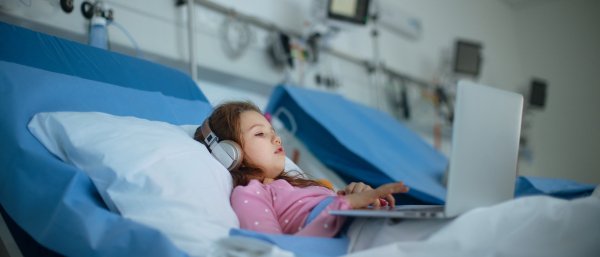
(261, 146)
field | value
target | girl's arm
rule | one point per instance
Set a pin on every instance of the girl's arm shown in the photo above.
(254, 208)
(325, 224)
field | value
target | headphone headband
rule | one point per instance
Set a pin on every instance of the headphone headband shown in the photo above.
(207, 133)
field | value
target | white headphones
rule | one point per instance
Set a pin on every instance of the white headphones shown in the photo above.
(227, 152)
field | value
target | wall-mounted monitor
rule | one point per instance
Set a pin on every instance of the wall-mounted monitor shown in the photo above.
(353, 11)
(537, 93)
(467, 58)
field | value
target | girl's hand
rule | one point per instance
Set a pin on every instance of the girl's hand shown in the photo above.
(366, 197)
(354, 188)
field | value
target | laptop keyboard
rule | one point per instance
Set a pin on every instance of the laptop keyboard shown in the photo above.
(425, 209)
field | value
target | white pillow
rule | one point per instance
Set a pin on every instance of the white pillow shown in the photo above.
(151, 172)
(190, 129)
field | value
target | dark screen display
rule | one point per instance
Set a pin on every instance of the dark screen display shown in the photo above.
(467, 58)
(537, 96)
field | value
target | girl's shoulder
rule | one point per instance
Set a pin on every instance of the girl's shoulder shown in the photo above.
(254, 187)
(277, 184)
(280, 183)
(253, 184)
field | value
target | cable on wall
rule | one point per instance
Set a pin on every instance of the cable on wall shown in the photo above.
(128, 36)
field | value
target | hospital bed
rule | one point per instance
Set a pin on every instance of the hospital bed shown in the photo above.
(53, 208)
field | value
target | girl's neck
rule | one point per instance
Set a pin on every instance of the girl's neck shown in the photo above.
(267, 181)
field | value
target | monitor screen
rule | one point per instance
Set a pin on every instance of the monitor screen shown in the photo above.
(354, 11)
(537, 95)
(467, 58)
(343, 7)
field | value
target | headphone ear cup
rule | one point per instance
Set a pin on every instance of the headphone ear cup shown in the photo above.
(234, 151)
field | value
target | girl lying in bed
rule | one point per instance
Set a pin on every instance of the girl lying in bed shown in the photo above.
(265, 198)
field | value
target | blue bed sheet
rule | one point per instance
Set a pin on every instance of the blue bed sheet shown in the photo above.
(300, 245)
(559, 188)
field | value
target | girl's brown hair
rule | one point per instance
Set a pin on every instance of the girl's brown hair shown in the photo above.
(225, 122)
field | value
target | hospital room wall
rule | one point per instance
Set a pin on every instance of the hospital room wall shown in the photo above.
(161, 29)
(489, 22)
(560, 43)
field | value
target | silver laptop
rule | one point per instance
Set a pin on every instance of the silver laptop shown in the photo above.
(483, 165)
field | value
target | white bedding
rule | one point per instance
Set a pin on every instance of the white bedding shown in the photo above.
(528, 226)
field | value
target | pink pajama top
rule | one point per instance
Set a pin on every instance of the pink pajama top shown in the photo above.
(281, 208)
